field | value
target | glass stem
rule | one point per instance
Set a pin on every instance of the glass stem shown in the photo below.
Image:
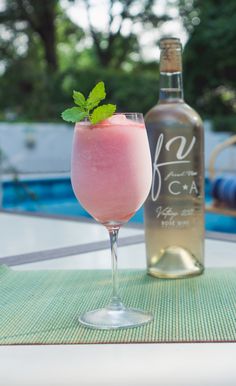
(115, 301)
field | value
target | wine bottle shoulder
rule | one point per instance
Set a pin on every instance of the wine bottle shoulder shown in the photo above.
(174, 112)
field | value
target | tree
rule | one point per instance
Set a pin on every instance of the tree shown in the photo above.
(31, 86)
(209, 56)
(111, 45)
(37, 16)
(43, 62)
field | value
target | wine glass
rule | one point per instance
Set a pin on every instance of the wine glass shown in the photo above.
(111, 176)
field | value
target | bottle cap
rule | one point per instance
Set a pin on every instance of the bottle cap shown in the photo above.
(170, 43)
(171, 55)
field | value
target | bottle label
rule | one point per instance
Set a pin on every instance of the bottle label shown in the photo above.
(175, 180)
(174, 186)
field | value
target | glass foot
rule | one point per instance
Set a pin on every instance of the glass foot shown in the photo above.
(108, 318)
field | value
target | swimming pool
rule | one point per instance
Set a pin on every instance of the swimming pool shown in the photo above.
(55, 196)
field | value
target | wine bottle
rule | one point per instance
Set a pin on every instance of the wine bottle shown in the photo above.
(174, 210)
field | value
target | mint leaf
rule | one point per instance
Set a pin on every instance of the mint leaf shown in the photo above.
(75, 114)
(97, 94)
(102, 112)
(79, 99)
(88, 108)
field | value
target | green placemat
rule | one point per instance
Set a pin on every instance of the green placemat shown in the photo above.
(41, 307)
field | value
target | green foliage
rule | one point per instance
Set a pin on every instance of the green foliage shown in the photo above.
(131, 92)
(42, 70)
(44, 60)
(37, 96)
(112, 46)
(68, 36)
(224, 123)
(27, 17)
(209, 59)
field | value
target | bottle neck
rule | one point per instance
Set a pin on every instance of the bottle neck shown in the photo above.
(171, 86)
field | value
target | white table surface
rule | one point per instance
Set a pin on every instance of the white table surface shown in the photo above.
(27, 234)
(120, 364)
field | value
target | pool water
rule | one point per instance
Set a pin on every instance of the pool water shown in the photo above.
(55, 196)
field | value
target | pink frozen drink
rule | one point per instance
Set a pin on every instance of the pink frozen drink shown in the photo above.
(111, 175)
(111, 168)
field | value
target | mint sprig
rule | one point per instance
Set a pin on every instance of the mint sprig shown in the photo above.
(97, 94)
(102, 112)
(88, 107)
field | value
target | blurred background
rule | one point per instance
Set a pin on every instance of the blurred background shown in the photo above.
(48, 48)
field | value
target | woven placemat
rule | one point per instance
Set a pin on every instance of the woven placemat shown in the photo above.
(41, 307)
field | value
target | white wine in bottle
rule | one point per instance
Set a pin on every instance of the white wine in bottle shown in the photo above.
(174, 210)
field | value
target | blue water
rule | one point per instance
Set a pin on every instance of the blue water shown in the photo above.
(56, 197)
